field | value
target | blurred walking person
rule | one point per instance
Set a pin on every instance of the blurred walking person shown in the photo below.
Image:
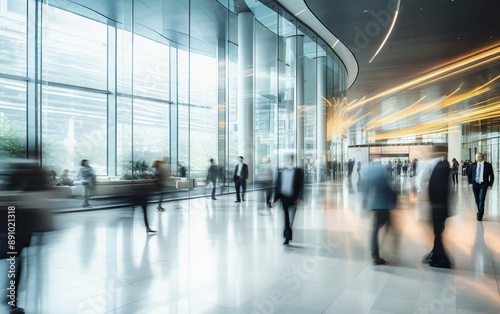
(439, 183)
(25, 208)
(265, 177)
(87, 176)
(454, 170)
(289, 185)
(381, 199)
(162, 174)
(213, 174)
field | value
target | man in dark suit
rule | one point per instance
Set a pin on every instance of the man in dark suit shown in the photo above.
(481, 178)
(240, 180)
(289, 189)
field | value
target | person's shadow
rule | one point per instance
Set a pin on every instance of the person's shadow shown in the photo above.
(480, 251)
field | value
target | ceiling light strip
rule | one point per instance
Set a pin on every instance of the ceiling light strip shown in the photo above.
(388, 33)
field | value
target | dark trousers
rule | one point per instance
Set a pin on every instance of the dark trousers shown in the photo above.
(454, 176)
(240, 183)
(288, 204)
(142, 201)
(213, 188)
(269, 190)
(480, 196)
(381, 217)
(439, 256)
(269, 194)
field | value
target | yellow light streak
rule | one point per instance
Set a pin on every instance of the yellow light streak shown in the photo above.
(440, 124)
(469, 61)
(467, 68)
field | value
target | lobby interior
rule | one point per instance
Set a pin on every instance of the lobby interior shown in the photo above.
(127, 82)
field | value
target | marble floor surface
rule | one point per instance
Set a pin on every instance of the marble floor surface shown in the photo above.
(215, 256)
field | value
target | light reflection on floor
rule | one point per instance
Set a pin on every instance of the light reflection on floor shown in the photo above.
(221, 257)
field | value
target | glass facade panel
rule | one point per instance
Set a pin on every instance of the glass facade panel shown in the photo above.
(123, 136)
(287, 114)
(13, 38)
(203, 114)
(162, 81)
(310, 107)
(12, 118)
(151, 69)
(232, 121)
(151, 130)
(74, 49)
(73, 128)
(266, 90)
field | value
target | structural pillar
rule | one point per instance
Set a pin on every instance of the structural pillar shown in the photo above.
(455, 142)
(222, 104)
(320, 117)
(295, 46)
(245, 89)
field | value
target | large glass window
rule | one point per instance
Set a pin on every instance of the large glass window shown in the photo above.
(151, 69)
(73, 128)
(74, 49)
(139, 89)
(266, 89)
(310, 106)
(13, 79)
(74, 88)
(151, 132)
(12, 118)
(13, 38)
(287, 115)
(203, 114)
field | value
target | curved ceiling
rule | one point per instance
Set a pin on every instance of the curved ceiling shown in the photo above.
(440, 63)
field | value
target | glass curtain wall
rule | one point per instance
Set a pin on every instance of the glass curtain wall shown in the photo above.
(73, 90)
(266, 91)
(310, 104)
(139, 83)
(482, 137)
(13, 78)
(287, 117)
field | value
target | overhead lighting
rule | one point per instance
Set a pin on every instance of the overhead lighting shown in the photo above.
(300, 12)
(388, 33)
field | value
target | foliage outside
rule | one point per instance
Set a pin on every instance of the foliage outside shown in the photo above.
(11, 141)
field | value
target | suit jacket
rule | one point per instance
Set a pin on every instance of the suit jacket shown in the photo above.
(488, 176)
(244, 172)
(298, 183)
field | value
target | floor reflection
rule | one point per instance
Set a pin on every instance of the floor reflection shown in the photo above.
(214, 256)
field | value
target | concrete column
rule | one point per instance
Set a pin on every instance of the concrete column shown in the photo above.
(222, 74)
(295, 45)
(320, 116)
(245, 89)
(455, 142)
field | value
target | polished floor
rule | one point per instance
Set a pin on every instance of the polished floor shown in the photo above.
(221, 257)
